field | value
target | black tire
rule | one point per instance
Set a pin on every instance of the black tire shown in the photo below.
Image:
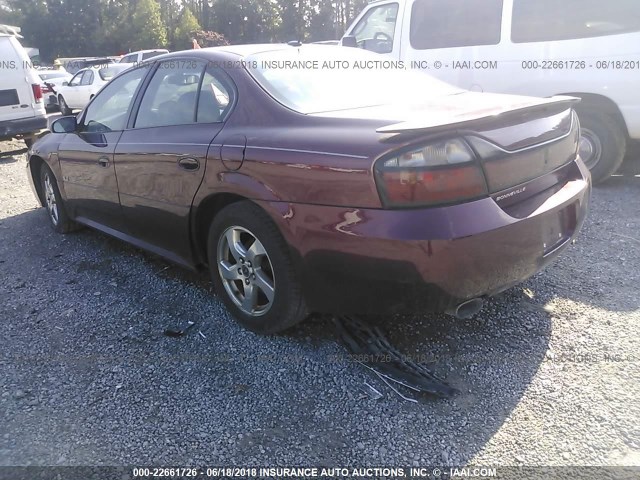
(287, 307)
(606, 138)
(60, 222)
(64, 108)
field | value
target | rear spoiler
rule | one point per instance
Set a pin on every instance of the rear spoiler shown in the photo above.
(442, 119)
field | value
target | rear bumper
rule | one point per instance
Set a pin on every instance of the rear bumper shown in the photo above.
(401, 261)
(23, 126)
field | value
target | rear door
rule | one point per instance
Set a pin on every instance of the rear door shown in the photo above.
(86, 156)
(17, 98)
(161, 161)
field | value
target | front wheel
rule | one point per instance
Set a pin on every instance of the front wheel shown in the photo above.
(57, 213)
(252, 270)
(64, 108)
(602, 144)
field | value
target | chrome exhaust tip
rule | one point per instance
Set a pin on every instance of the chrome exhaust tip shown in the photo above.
(467, 309)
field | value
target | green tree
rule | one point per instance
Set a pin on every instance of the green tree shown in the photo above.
(148, 30)
(184, 32)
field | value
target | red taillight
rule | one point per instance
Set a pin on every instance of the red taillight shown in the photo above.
(413, 187)
(37, 92)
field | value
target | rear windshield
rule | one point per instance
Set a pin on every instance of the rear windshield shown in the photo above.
(314, 79)
(107, 73)
(50, 75)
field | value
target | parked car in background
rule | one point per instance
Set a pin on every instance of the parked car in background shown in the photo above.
(142, 55)
(77, 92)
(584, 48)
(307, 190)
(22, 112)
(52, 80)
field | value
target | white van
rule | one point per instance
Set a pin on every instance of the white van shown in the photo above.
(584, 48)
(22, 113)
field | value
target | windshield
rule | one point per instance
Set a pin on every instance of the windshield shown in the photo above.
(314, 79)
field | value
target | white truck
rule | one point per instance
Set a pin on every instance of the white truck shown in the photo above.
(584, 48)
(22, 112)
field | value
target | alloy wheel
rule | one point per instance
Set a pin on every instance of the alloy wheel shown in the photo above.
(50, 197)
(246, 271)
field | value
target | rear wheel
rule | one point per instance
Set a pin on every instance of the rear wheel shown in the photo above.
(602, 144)
(252, 271)
(64, 108)
(54, 204)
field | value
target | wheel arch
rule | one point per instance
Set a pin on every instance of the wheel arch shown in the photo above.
(203, 215)
(35, 166)
(599, 104)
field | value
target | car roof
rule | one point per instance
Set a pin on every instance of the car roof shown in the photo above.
(146, 51)
(247, 50)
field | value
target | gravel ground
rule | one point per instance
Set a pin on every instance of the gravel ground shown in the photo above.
(548, 371)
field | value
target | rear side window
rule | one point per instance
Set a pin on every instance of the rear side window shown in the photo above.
(170, 98)
(549, 20)
(148, 55)
(455, 23)
(215, 99)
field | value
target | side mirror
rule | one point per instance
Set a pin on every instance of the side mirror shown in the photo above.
(349, 41)
(65, 83)
(65, 125)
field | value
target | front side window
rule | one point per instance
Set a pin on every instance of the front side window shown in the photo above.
(172, 94)
(109, 109)
(547, 20)
(455, 23)
(75, 81)
(375, 31)
(87, 78)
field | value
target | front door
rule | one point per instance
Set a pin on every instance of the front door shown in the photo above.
(161, 161)
(86, 156)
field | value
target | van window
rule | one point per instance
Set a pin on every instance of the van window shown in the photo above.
(375, 31)
(455, 23)
(148, 55)
(549, 20)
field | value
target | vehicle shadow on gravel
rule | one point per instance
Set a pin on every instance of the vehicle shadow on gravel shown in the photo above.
(492, 358)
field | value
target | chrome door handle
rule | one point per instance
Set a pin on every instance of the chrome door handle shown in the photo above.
(103, 162)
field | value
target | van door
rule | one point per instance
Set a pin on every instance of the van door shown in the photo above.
(377, 29)
(454, 40)
(17, 98)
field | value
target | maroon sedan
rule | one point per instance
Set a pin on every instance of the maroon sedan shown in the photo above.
(320, 179)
